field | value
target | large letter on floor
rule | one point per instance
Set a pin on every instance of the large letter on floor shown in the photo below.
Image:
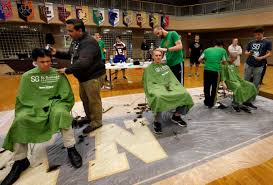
(141, 143)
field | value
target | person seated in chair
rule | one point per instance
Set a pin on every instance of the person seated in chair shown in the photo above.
(164, 92)
(43, 104)
(243, 91)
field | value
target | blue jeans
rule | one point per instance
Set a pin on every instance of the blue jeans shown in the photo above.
(255, 72)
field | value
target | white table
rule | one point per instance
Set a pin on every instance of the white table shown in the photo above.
(119, 66)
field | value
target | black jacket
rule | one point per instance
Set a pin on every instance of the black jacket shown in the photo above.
(85, 56)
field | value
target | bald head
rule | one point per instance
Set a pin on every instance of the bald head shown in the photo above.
(232, 57)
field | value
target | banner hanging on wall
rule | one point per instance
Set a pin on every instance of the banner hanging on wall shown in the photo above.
(141, 18)
(46, 12)
(153, 20)
(82, 13)
(25, 10)
(98, 16)
(165, 21)
(113, 15)
(2, 14)
(64, 12)
(5, 9)
(127, 18)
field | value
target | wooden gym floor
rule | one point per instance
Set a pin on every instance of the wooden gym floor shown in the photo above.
(250, 171)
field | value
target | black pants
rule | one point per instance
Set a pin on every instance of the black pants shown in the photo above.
(178, 71)
(211, 81)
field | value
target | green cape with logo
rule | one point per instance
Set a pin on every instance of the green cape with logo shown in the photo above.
(43, 105)
(163, 91)
(243, 90)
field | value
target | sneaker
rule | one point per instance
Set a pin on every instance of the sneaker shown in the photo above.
(115, 78)
(236, 108)
(157, 128)
(124, 77)
(74, 157)
(179, 121)
(245, 109)
(250, 105)
(89, 129)
(17, 168)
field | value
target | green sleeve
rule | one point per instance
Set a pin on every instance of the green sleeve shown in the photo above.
(102, 45)
(175, 36)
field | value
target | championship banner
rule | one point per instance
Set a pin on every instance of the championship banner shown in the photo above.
(25, 10)
(64, 12)
(165, 21)
(127, 18)
(113, 15)
(2, 14)
(140, 18)
(5, 9)
(153, 20)
(82, 13)
(46, 12)
(98, 16)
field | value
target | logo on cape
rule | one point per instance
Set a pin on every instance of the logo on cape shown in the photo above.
(5, 9)
(46, 12)
(113, 17)
(25, 10)
(98, 16)
(127, 18)
(153, 20)
(82, 13)
(64, 12)
(165, 21)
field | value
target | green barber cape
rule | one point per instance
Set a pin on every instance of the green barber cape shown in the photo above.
(242, 89)
(163, 90)
(43, 105)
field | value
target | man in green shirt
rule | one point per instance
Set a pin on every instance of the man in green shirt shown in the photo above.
(213, 57)
(171, 44)
(43, 104)
(101, 43)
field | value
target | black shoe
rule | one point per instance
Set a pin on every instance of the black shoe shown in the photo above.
(124, 77)
(245, 109)
(157, 128)
(115, 78)
(236, 108)
(17, 168)
(89, 129)
(179, 121)
(74, 157)
(222, 106)
(250, 105)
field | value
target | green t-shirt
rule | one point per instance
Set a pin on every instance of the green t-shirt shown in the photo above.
(213, 57)
(102, 46)
(172, 57)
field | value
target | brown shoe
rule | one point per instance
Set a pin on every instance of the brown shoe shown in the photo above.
(89, 129)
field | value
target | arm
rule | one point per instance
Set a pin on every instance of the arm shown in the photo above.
(201, 58)
(125, 53)
(268, 54)
(59, 54)
(178, 46)
(240, 51)
(248, 50)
